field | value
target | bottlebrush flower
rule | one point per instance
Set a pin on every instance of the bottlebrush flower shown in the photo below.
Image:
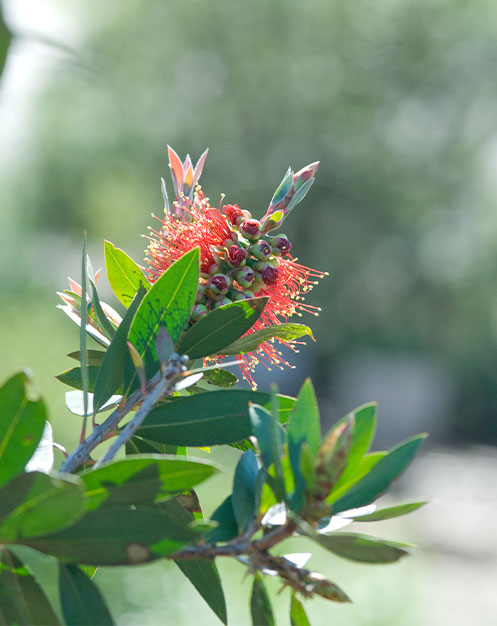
(238, 258)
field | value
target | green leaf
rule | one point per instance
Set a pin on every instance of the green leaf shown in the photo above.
(362, 437)
(298, 616)
(380, 477)
(270, 438)
(33, 504)
(73, 377)
(364, 466)
(219, 328)
(22, 421)
(22, 601)
(356, 547)
(227, 527)
(116, 536)
(389, 512)
(332, 456)
(207, 419)
(205, 578)
(82, 602)
(250, 342)
(220, 378)
(260, 606)
(168, 303)
(103, 323)
(110, 376)
(125, 277)
(143, 478)
(244, 494)
(93, 357)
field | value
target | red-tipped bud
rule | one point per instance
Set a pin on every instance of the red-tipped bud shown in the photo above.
(234, 214)
(245, 277)
(268, 273)
(217, 286)
(236, 256)
(261, 250)
(199, 310)
(306, 173)
(250, 229)
(280, 245)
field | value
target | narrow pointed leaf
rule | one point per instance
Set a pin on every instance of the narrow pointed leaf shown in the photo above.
(381, 476)
(93, 357)
(204, 576)
(221, 327)
(116, 536)
(143, 478)
(270, 438)
(168, 303)
(220, 378)
(298, 615)
(82, 334)
(110, 376)
(390, 512)
(125, 277)
(250, 342)
(81, 601)
(244, 490)
(227, 527)
(100, 317)
(22, 600)
(22, 421)
(260, 605)
(207, 419)
(73, 377)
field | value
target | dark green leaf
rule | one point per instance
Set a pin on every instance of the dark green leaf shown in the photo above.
(270, 437)
(219, 328)
(298, 616)
(82, 602)
(143, 479)
(125, 277)
(362, 437)
(117, 536)
(304, 426)
(73, 377)
(250, 342)
(389, 512)
(244, 494)
(207, 419)
(110, 376)
(33, 504)
(380, 477)
(205, 578)
(358, 547)
(22, 421)
(220, 378)
(22, 600)
(100, 317)
(93, 357)
(227, 527)
(168, 303)
(260, 606)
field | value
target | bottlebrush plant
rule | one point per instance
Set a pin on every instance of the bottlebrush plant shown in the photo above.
(218, 290)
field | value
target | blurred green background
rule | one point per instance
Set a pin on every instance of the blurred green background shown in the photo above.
(398, 101)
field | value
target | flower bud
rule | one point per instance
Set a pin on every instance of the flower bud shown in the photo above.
(260, 250)
(245, 277)
(268, 273)
(250, 229)
(222, 302)
(236, 256)
(280, 245)
(234, 214)
(218, 285)
(199, 310)
(200, 293)
(243, 295)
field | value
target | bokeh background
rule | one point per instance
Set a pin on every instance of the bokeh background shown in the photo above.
(398, 101)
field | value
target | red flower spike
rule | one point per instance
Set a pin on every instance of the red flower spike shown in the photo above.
(277, 275)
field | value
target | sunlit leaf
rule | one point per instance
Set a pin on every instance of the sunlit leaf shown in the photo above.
(250, 342)
(124, 275)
